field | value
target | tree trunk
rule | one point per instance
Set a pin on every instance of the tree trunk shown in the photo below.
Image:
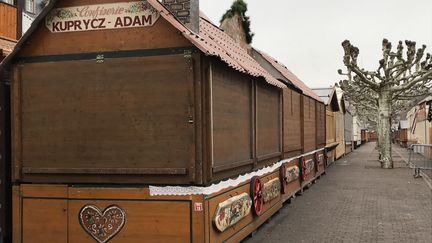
(384, 128)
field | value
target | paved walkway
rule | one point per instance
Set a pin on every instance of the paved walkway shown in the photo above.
(356, 202)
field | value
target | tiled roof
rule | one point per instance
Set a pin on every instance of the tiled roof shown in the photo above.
(214, 42)
(291, 76)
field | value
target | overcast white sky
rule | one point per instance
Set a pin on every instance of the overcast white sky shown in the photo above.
(306, 35)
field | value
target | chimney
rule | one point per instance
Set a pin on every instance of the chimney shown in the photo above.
(233, 26)
(187, 11)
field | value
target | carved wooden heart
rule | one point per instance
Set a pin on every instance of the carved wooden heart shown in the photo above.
(102, 226)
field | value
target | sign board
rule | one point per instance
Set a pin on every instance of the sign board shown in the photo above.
(102, 17)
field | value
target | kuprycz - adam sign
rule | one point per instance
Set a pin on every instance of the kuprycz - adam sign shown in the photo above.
(102, 17)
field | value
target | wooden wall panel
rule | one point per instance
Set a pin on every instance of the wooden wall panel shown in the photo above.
(129, 114)
(309, 123)
(348, 131)
(268, 120)
(44, 221)
(248, 223)
(292, 120)
(321, 124)
(51, 213)
(147, 221)
(330, 127)
(8, 20)
(160, 35)
(232, 117)
(340, 134)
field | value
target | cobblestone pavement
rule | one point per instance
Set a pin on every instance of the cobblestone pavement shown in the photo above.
(356, 202)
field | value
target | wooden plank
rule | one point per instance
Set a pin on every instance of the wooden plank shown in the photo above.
(320, 124)
(282, 122)
(254, 129)
(340, 134)
(309, 123)
(208, 119)
(107, 171)
(16, 215)
(199, 222)
(317, 131)
(192, 114)
(16, 125)
(269, 156)
(230, 166)
(330, 127)
(302, 118)
(207, 220)
(199, 128)
(44, 191)
(268, 115)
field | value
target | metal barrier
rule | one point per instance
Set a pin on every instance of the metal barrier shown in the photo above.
(420, 158)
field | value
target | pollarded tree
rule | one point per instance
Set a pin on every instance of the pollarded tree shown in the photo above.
(377, 93)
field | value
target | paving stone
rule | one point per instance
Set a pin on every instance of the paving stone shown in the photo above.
(356, 201)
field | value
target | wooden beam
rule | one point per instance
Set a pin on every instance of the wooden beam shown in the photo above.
(16, 124)
(106, 171)
(234, 165)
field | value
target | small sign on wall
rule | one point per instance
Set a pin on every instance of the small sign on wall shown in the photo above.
(102, 17)
(198, 207)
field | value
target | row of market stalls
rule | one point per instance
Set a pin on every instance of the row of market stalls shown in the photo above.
(415, 124)
(344, 129)
(149, 123)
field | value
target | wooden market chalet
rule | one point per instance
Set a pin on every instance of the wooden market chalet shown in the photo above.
(155, 119)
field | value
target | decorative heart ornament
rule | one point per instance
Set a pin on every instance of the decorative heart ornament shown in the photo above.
(102, 226)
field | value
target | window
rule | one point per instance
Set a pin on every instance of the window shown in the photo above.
(30, 6)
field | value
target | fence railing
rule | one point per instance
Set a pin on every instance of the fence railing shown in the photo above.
(420, 158)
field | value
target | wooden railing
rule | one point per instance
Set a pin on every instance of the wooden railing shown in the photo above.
(8, 21)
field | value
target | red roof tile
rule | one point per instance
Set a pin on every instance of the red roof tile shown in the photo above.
(214, 42)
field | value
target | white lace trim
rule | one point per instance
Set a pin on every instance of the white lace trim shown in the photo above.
(198, 190)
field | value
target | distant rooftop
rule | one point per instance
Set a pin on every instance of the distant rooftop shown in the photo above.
(323, 93)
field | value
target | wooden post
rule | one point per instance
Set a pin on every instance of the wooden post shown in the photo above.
(16, 214)
(20, 10)
(16, 124)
